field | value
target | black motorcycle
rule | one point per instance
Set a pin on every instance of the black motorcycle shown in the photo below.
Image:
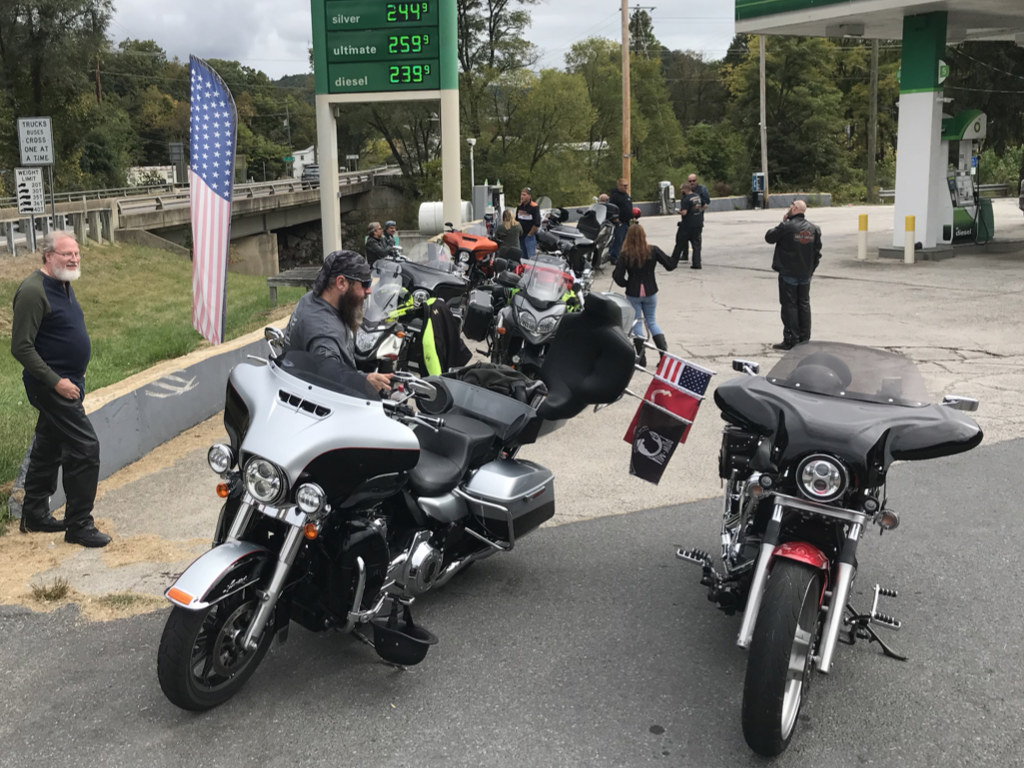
(805, 457)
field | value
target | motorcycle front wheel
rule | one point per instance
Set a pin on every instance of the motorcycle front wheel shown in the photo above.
(200, 664)
(779, 665)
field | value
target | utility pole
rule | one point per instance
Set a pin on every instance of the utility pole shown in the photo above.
(626, 143)
(99, 90)
(764, 127)
(873, 125)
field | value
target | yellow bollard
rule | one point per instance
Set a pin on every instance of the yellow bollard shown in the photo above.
(908, 247)
(862, 241)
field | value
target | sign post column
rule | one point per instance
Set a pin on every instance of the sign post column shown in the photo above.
(330, 203)
(451, 166)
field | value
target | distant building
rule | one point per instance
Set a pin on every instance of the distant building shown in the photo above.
(143, 175)
(303, 157)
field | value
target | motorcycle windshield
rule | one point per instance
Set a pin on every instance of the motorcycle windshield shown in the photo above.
(432, 256)
(851, 372)
(386, 294)
(545, 279)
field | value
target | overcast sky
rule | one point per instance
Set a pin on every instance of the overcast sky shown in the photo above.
(274, 35)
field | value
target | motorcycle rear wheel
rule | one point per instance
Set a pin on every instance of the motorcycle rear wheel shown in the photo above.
(779, 664)
(199, 664)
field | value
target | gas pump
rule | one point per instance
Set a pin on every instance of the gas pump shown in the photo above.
(490, 200)
(962, 138)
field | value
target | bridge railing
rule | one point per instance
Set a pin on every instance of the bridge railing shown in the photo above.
(173, 192)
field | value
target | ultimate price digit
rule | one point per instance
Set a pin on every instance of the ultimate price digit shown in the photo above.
(407, 43)
(398, 12)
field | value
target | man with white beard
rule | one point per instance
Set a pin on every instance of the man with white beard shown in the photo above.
(49, 339)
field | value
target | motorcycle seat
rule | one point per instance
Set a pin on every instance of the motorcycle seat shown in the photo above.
(462, 444)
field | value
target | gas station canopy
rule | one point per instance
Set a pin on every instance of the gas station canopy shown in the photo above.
(937, 200)
(880, 19)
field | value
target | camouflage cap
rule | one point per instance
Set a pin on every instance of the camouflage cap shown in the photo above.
(348, 264)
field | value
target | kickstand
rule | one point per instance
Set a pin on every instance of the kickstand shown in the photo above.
(860, 627)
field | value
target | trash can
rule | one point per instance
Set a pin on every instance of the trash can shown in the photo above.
(986, 221)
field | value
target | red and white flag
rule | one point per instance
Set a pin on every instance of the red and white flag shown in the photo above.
(211, 174)
(678, 387)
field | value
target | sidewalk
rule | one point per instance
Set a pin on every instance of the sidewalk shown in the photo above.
(960, 319)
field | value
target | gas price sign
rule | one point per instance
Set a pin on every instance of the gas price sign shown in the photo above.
(376, 46)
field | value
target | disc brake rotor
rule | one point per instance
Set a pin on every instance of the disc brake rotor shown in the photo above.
(228, 655)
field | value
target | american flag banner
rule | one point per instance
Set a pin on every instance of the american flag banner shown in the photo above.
(683, 373)
(664, 417)
(212, 126)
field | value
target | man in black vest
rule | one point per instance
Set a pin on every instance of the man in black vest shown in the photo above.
(797, 253)
(49, 339)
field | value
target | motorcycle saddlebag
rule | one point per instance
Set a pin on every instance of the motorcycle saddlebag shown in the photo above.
(478, 315)
(525, 489)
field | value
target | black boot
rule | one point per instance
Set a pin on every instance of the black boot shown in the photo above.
(641, 353)
(47, 524)
(661, 344)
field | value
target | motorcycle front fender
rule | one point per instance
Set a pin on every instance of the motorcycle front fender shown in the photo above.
(223, 571)
(808, 554)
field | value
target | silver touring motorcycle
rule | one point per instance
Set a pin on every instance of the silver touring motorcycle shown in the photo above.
(342, 508)
(805, 455)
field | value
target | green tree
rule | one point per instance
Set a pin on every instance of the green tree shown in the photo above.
(641, 35)
(805, 120)
(47, 50)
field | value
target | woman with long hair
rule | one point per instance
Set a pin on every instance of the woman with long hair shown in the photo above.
(507, 233)
(635, 272)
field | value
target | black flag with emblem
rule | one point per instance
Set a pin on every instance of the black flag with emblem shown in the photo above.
(654, 441)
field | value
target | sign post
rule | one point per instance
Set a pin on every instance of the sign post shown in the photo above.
(374, 50)
(35, 141)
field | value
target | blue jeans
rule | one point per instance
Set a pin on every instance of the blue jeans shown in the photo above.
(617, 238)
(648, 306)
(529, 243)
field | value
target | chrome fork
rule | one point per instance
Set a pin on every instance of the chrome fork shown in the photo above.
(840, 595)
(269, 598)
(760, 576)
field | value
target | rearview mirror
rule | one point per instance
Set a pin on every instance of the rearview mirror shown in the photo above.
(275, 338)
(747, 367)
(960, 403)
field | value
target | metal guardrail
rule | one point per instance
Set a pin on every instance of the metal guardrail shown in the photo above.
(1001, 190)
(174, 191)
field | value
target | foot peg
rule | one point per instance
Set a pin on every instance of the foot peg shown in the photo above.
(695, 556)
(880, 618)
(859, 624)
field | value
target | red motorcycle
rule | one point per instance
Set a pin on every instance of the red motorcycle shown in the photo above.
(805, 456)
(473, 253)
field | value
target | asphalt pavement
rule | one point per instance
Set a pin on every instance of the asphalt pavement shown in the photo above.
(590, 645)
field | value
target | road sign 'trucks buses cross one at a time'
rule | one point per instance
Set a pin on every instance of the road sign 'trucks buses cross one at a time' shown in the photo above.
(370, 46)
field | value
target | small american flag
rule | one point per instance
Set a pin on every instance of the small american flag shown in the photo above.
(685, 374)
(213, 124)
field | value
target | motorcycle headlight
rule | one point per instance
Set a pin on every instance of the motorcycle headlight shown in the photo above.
(822, 478)
(546, 326)
(310, 497)
(365, 340)
(420, 296)
(527, 321)
(220, 458)
(265, 481)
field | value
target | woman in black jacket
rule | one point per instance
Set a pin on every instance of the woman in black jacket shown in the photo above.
(635, 272)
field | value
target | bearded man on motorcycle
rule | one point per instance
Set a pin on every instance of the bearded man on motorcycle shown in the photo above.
(327, 318)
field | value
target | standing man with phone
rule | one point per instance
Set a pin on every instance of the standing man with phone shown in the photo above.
(797, 254)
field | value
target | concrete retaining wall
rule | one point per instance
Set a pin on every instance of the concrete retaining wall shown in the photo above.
(134, 416)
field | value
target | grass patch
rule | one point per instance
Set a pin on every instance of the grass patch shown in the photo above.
(138, 310)
(121, 600)
(52, 593)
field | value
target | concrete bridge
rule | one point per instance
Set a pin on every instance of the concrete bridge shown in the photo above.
(163, 219)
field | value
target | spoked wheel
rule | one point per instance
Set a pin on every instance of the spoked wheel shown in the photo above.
(779, 666)
(201, 663)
